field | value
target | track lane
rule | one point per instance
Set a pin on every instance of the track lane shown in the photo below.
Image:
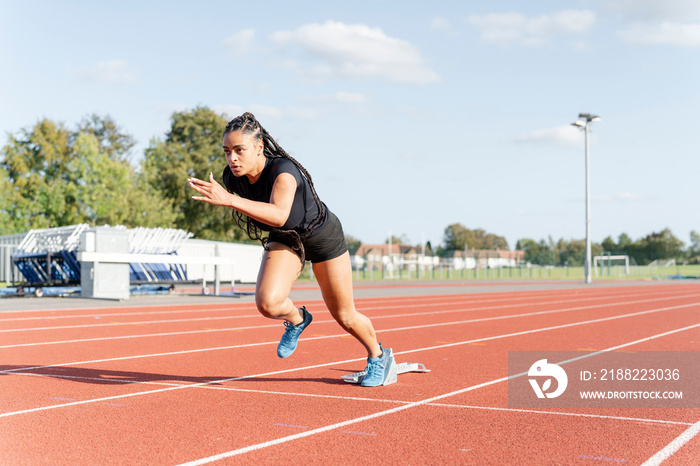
(329, 383)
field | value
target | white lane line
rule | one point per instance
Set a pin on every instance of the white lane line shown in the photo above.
(416, 327)
(666, 452)
(330, 427)
(192, 310)
(555, 413)
(522, 295)
(414, 314)
(355, 398)
(376, 304)
(161, 390)
(526, 332)
(470, 309)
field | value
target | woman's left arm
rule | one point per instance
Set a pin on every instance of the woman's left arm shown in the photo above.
(274, 213)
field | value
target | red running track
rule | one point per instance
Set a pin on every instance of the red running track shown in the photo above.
(201, 383)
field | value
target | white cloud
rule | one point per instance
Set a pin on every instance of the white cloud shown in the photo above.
(105, 72)
(266, 112)
(666, 33)
(655, 10)
(566, 135)
(625, 196)
(230, 111)
(340, 96)
(241, 43)
(354, 51)
(442, 24)
(654, 22)
(350, 97)
(515, 28)
(581, 45)
(302, 113)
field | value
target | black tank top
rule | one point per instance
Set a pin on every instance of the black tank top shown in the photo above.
(304, 210)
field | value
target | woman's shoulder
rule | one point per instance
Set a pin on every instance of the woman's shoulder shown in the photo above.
(283, 165)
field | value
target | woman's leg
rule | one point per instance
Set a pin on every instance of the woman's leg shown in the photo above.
(335, 279)
(279, 270)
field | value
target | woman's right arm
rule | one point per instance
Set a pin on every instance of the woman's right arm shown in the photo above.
(274, 213)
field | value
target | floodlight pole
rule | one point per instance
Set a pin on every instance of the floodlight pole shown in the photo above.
(588, 208)
(585, 125)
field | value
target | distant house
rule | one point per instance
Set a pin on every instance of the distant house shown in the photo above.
(485, 258)
(379, 256)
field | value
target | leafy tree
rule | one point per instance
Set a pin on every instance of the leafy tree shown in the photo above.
(403, 239)
(148, 209)
(457, 237)
(694, 247)
(541, 252)
(111, 141)
(353, 244)
(192, 148)
(102, 184)
(56, 177)
(36, 163)
(609, 244)
(530, 248)
(623, 242)
(571, 252)
(656, 246)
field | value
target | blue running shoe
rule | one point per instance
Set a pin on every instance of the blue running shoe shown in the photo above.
(377, 369)
(289, 340)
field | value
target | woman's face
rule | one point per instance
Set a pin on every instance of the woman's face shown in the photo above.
(244, 154)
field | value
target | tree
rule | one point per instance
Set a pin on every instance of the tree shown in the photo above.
(36, 163)
(571, 252)
(623, 241)
(403, 239)
(694, 247)
(192, 148)
(609, 244)
(353, 244)
(531, 249)
(111, 141)
(656, 246)
(6, 202)
(459, 237)
(55, 177)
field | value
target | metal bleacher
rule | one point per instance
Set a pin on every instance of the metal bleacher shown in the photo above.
(48, 257)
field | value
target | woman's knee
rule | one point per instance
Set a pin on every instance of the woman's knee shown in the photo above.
(270, 305)
(346, 319)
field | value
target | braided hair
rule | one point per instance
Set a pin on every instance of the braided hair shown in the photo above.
(248, 124)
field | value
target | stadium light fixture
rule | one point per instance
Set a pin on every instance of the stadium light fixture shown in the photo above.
(585, 124)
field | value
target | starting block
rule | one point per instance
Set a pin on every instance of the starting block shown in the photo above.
(394, 370)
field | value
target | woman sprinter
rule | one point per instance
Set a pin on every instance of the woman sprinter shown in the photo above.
(269, 191)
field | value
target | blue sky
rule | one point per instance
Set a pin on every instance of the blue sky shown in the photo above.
(409, 115)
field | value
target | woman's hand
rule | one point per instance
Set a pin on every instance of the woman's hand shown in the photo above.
(211, 191)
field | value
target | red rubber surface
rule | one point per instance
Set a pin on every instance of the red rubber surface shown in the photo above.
(201, 382)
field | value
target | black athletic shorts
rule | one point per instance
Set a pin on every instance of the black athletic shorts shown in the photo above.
(323, 245)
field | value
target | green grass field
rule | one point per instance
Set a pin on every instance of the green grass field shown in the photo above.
(531, 273)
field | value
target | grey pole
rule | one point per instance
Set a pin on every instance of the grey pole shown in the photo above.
(588, 209)
(585, 125)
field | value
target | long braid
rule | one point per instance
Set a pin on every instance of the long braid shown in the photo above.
(248, 124)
